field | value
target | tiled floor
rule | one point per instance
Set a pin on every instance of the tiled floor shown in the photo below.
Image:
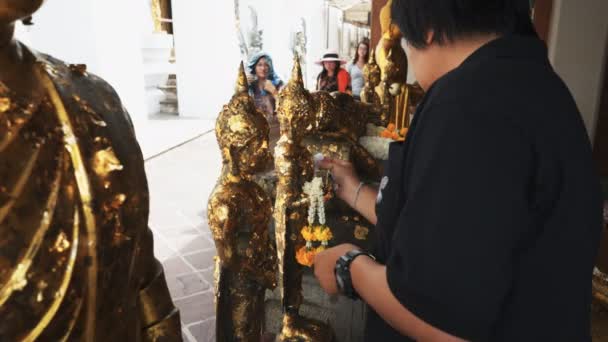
(158, 133)
(180, 183)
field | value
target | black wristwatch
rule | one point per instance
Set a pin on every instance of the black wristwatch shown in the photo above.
(342, 272)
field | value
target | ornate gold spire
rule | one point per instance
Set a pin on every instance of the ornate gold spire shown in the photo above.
(241, 81)
(386, 16)
(372, 58)
(296, 72)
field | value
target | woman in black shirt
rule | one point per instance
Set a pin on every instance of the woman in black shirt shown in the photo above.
(489, 214)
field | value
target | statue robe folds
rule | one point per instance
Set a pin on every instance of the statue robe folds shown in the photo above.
(76, 254)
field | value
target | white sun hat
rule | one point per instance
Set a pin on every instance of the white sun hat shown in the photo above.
(331, 56)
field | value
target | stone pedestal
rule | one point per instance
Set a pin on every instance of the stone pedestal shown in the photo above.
(345, 316)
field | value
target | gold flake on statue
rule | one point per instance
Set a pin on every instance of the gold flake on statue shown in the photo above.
(79, 69)
(42, 285)
(105, 162)
(19, 278)
(61, 243)
(118, 201)
(237, 124)
(361, 232)
(5, 104)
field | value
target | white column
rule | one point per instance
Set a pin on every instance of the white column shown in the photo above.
(118, 25)
(578, 51)
(207, 53)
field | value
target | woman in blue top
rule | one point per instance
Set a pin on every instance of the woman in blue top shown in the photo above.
(264, 85)
(355, 69)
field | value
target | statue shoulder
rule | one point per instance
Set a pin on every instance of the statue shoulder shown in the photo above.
(91, 92)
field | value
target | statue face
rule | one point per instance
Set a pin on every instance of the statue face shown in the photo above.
(255, 155)
(13, 10)
(242, 134)
(296, 113)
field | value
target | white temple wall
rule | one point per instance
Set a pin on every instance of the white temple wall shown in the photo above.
(207, 53)
(104, 34)
(579, 36)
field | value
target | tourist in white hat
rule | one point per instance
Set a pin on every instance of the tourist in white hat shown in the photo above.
(333, 77)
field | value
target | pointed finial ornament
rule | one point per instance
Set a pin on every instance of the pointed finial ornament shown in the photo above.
(372, 58)
(296, 73)
(241, 81)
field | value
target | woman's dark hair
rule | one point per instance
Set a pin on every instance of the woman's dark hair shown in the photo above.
(363, 42)
(324, 72)
(454, 19)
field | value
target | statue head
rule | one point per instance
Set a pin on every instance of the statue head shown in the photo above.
(296, 106)
(13, 10)
(371, 72)
(391, 70)
(242, 132)
(389, 29)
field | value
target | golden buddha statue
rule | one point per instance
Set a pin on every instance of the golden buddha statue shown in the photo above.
(339, 122)
(294, 167)
(239, 215)
(392, 59)
(76, 256)
(161, 16)
(390, 42)
(372, 76)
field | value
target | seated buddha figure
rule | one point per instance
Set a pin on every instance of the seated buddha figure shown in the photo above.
(370, 94)
(76, 254)
(239, 214)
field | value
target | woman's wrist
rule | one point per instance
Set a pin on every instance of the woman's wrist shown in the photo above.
(357, 194)
(349, 191)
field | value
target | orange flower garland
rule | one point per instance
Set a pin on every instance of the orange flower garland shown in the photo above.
(320, 233)
(305, 256)
(391, 133)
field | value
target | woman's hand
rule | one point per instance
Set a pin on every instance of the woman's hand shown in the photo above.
(345, 179)
(325, 264)
(349, 188)
(269, 87)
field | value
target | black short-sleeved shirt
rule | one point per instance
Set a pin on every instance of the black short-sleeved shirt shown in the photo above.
(489, 214)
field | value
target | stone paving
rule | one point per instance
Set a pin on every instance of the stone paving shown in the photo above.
(180, 182)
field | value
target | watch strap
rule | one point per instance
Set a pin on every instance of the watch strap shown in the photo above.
(342, 272)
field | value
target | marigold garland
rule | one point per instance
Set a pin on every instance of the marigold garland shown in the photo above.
(308, 234)
(323, 234)
(391, 133)
(319, 233)
(305, 256)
